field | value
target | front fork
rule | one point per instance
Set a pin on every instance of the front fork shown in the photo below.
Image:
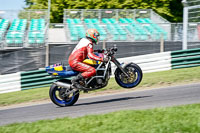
(116, 62)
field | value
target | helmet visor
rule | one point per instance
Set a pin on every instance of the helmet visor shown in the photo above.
(97, 35)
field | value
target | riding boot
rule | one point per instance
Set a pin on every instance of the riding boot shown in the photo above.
(75, 81)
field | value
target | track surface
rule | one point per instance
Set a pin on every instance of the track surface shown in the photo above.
(161, 97)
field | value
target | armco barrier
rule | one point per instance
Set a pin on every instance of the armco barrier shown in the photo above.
(151, 62)
(35, 79)
(185, 58)
(10, 82)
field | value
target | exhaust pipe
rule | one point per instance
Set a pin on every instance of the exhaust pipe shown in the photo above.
(67, 86)
(64, 85)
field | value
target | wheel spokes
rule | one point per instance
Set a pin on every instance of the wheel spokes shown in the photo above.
(132, 76)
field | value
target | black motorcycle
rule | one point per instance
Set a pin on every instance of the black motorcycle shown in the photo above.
(62, 93)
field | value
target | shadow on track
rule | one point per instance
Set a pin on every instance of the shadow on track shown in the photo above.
(111, 100)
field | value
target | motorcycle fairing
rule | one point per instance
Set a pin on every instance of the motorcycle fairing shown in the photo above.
(93, 62)
(61, 71)
(66, 71)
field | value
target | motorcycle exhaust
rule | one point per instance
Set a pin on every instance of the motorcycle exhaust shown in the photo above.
(67, 86)
(64, 85)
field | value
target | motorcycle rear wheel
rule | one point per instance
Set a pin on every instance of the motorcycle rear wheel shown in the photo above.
(56, 96)
(135, 74)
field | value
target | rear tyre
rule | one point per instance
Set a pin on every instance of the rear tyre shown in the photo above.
(57, 96)
(134, 72)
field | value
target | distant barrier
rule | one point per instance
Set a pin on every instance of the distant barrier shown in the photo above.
(148, 63)
(35, 79)
(10, 82)
(185, 58)
(151, 62)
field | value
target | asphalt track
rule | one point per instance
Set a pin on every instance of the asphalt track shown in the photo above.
(146, 99)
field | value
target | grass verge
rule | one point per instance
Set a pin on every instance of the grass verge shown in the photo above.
(180, 119)
(150, 80)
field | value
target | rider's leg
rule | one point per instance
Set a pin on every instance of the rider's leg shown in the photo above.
(75, 81)
(87, 72)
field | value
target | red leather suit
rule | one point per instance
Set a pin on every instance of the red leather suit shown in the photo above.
(83, 49)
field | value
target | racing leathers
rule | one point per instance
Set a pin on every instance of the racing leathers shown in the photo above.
(82, 50)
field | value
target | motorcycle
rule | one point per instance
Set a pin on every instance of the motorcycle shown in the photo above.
(63, 93)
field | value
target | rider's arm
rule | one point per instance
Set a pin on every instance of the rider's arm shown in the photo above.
(91, 54)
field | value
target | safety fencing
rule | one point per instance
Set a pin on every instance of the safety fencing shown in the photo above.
(151, 62)
(185, 58)
(35, 79)
(148, 63)
(10, 82)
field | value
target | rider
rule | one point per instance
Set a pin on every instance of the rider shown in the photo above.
(82, 50)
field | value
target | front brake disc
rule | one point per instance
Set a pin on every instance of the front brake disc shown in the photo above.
(132, 77)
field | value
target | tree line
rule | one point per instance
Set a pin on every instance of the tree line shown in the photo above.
(172, 10)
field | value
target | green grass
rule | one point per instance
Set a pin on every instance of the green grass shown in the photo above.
(181, 119)
(150, 80)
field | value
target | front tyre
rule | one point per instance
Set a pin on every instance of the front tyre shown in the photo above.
(134, 72)
(57, 96)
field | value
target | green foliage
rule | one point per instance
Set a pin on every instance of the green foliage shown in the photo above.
(176, 9)
(28, 2)
(170, 9)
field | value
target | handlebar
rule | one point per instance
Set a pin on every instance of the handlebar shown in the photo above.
(111, 51)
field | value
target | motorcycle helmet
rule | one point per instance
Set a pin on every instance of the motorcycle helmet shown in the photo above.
(93, 34)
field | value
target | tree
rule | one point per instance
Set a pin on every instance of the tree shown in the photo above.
(172, 10)
(28, 2)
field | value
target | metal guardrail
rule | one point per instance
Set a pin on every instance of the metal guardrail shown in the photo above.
(35, 79)
(185, 58)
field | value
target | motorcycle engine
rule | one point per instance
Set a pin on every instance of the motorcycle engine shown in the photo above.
(99, 81)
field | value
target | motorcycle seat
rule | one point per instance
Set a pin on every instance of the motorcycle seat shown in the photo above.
(61, 71)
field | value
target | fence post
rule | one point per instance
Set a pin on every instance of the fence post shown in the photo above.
(47, 55)
(185, 28)
(99, 15)
(161, 43)
(117, 14)
(82, 14)
(104, 44)
(134, 14)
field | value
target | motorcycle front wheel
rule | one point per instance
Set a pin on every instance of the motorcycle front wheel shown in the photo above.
(135, 76)
(57, 96)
